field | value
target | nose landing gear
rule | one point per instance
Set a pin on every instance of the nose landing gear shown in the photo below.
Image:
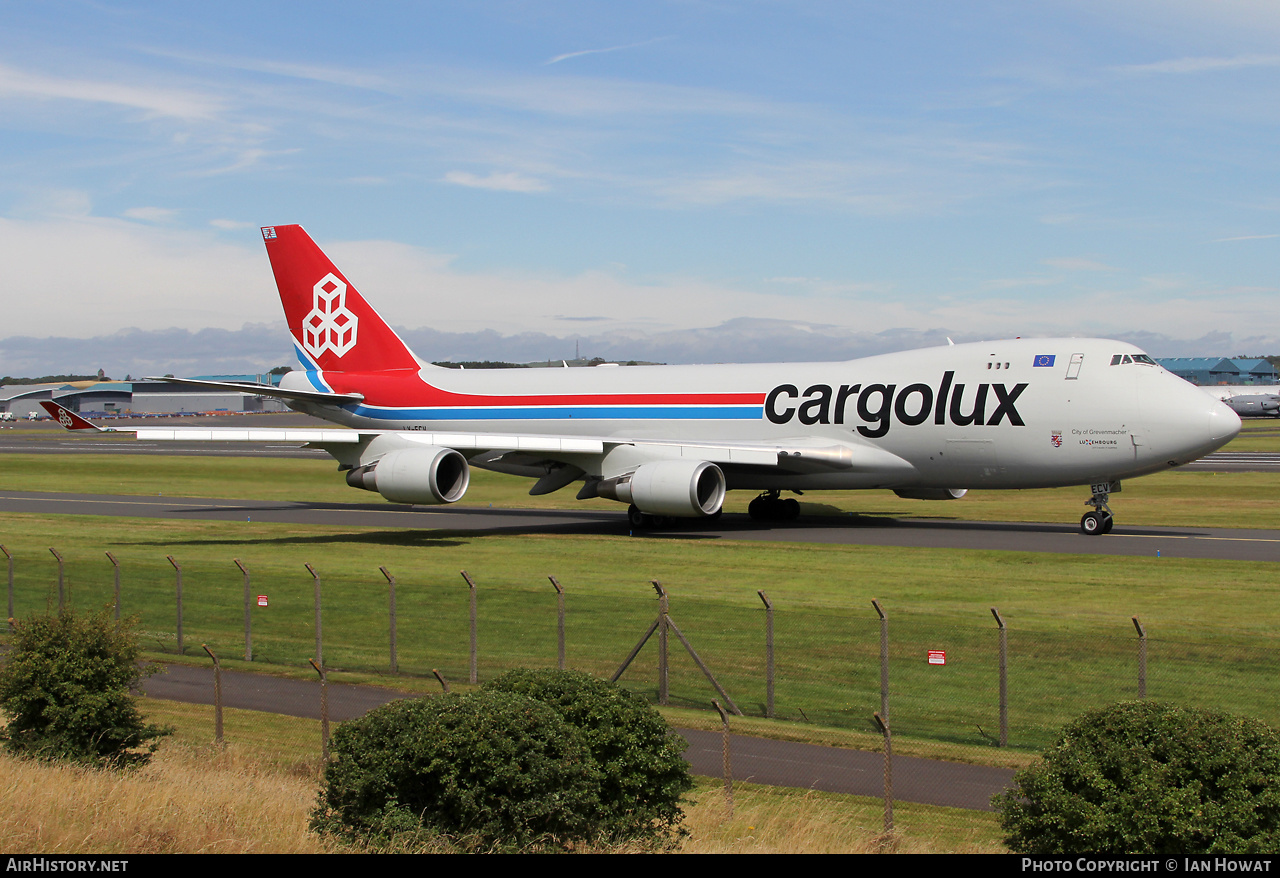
(1100, 520)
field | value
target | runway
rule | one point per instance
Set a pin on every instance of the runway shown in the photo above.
(42, 437)
(860, 530)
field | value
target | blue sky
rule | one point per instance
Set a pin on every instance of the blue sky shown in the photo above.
(684, 181)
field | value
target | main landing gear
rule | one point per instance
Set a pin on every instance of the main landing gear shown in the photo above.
(771, 507)
(1098, 521)
(644, 521)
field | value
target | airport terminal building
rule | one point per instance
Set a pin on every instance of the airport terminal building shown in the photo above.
(1211, 371)
(119, 398)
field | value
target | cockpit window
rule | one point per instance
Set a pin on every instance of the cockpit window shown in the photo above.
(1118, 359)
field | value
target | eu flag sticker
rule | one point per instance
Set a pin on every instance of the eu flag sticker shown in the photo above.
(1043, 360)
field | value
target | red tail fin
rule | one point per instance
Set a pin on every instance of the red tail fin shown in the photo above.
(69, 419)
(333, 327)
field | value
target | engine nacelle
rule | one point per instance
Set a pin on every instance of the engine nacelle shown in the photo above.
(931, 493)
(679, 488)
(427, 475)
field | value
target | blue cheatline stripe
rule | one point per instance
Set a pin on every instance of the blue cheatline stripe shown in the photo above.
(312, 370)
(539, 413)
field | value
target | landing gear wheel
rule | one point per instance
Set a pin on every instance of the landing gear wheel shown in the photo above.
(770, 507)
(761, 508)
(1093, 523)
(1100, 520)
(637, 519)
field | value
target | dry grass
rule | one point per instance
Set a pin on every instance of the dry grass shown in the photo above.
(189, 800)
(199, 800)
(770, 820)
(255, 796)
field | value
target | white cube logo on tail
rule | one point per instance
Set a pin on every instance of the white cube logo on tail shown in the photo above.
(329, 326)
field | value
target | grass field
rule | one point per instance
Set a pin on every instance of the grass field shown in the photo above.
(1072, 646)
(1071, 642)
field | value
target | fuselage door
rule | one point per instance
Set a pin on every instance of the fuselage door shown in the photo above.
(1073, 368)
(1138, 441)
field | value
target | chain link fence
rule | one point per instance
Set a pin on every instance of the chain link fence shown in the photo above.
(944, 670)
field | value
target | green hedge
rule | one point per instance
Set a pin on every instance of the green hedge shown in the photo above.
(643, 770)
(65, 690)
(1149, 778)
(487, 770)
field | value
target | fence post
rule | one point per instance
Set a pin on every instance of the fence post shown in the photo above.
(10, 614)
(1004, 679)
(471, 585)
(768, 655)
(248, 599)
(62, 598)
(324, 709)
(559, 622)
(217, 695)
(728, 768)
(116, 565)
(1142, 659)
(883, 723)
(315, 578)
(391, 581)
(178, 572)
(884, 660)
(664, 611)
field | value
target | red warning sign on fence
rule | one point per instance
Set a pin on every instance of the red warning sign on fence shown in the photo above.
(262, 600)
(937, 656)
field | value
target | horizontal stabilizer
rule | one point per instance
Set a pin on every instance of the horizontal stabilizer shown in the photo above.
(232, 434)
(268, 390)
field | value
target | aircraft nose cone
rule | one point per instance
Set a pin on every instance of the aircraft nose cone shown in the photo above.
(1224, 424)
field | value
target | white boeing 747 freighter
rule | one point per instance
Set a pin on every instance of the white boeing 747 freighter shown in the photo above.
(669, 441)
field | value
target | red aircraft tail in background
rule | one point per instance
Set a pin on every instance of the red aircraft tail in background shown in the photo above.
(67, 418)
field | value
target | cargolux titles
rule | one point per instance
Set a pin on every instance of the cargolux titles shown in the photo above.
(876, 405)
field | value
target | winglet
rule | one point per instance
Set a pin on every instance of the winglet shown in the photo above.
(69, 419)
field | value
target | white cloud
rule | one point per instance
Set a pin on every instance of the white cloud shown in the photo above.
(182, 104)
(1244, 238)
(83, 276)
(1072, 263)
(151, 214)
(503, 182)
(567, 55)
(92, 278)
(1203, 64)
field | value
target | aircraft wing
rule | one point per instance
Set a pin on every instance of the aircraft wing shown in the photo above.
(799, 455)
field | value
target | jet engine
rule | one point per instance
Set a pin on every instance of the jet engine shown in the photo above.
(680, 488)
(931, 493)
(427, 475)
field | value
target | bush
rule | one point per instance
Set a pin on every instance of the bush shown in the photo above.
(488, 769)
(1149, 778)
(65, 691)
(644, 773)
